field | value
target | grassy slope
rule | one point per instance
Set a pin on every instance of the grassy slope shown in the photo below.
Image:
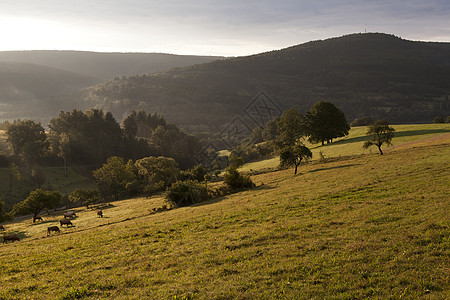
(405, 136)
(357, 227)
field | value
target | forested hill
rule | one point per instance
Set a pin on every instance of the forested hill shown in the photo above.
(371, 74)
(38, 84)
(104, 66)
(39, 92)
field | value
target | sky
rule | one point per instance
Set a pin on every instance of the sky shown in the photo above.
(210, 27)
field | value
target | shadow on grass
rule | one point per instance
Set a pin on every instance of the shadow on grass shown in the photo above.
(265, 187)
(396, 134)
(101, 206)
(331, 168)
(42, 222)
(222, 197)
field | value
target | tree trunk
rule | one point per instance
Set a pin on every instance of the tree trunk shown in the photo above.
(296, 166)
(379, 148)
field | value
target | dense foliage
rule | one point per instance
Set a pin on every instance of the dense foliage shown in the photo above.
(325, 122)
(90, 138)
(84, 197)
(235, 180)
(156, 173)
(37, 201)
(184, 193)
(27, 140)
(112, 177)
(4, 215)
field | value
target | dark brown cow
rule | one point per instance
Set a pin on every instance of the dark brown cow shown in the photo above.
(10, 237)
(69, 214)
(37, 219)
(53, 228)
(65, 222)
(1, 227)
(100, 213)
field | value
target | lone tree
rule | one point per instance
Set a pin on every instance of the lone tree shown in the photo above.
(324, 122)
(37, 201)
(291, 130)
(380, 133)
(293, 156)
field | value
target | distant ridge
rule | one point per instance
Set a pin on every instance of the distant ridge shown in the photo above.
(38, 84)
(104, 66)
(374, 74)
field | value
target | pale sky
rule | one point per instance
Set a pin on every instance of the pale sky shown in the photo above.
(210, 27)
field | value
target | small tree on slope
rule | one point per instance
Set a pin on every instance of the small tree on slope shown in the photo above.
(380, 133)
(293, 156)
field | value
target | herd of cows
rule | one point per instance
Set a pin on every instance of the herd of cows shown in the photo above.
(12, 237)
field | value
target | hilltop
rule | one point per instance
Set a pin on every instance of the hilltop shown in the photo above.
(361, 226)
(373, 74)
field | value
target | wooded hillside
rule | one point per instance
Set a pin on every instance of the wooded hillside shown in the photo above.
(376, 75)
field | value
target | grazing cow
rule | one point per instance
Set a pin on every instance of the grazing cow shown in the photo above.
(100, 213)
(1, 227)
(37, 219)
(53, 228)
(10, 237)
(65, 222)
(69, 214)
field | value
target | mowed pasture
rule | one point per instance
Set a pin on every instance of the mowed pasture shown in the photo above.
(362, 226)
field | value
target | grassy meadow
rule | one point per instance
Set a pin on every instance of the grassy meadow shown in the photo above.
(406, 136)
(349, 227)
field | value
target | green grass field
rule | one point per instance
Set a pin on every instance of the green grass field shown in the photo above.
(352, 144)
(354, 227)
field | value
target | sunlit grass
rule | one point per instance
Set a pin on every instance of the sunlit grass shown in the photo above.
(361, 227)
(406, 136)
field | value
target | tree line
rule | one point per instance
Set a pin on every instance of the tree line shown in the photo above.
(89, 138)
(95, 136)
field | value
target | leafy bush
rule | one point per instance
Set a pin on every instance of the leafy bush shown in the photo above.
(438, 120)
(196, 173)
(234, 180)
(184, 193)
